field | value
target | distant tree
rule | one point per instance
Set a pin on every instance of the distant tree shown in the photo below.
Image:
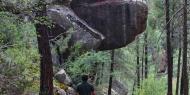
(169, 53)
(178, 66)
(138, 63)
(142, 64)
(146, 54)
(184, 79)
(111, 72)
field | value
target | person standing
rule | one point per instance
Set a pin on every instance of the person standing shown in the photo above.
(84, 88)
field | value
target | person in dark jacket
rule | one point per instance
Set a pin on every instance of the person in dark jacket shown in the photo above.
(84, 88)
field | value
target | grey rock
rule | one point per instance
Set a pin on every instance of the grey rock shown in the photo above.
(59, 91)
(71, 91)
(120, 21)
(62, 77)
(65, 19)
(118, 87)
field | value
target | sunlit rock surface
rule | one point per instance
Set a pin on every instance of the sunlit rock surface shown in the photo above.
(120, 21)
(62, 77)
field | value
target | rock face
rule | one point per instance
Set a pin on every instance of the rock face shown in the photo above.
(120, 21)
(64, 20)
(98, 24)
(119, 87)
(62, 77)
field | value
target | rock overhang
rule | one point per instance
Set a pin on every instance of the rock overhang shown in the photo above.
(120, 21)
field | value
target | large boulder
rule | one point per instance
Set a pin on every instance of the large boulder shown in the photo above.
(62, 77)
(120, 21)
(59, 91)
(65, 20)
(120, 88)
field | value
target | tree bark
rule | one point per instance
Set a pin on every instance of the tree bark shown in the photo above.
(111, 72)
(138, 64)
(142, 66)
(101, 73)
(134, 87)
(46, 64)
(181, 86)
(142, 61)
(178, 68)
(184, 70)
(59, 55)
(146, 55)
(169, 53)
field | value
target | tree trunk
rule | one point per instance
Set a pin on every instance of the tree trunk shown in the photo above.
(184, 70)
(169, 53)
(102, 73)
(59, 55)
(134, 84)
(111, 72)
(142, 67)
(146, 55)
(142, 64)
(94, 73)
(178, 66)
(181, 86)
(138, 64)
(46, 69)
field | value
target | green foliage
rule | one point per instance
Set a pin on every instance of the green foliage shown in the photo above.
(8, 26)
(20, 4)
(152, 86)
(125, 64)
(19, 57)
(83, 64)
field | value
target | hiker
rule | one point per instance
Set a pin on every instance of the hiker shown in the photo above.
(84, 88)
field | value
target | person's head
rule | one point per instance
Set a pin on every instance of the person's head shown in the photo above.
(85, 78)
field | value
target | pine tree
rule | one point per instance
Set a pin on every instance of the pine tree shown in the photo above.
(111, 72)
(185, 81)
(169, 54)
(146, 54)
(138, 63)
(46, 64)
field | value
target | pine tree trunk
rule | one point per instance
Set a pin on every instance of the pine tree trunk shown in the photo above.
(111, 72)
(46, 69)
(102, 73)
(138, 64)
(184, 70)
(142, 66)
(142, 63)
(146, 55)
(94, 72)
(134, 84)
(169, 54)
(59, 55)
(178, 68)
(182, 79)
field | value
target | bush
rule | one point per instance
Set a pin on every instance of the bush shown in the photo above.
(152, 86)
